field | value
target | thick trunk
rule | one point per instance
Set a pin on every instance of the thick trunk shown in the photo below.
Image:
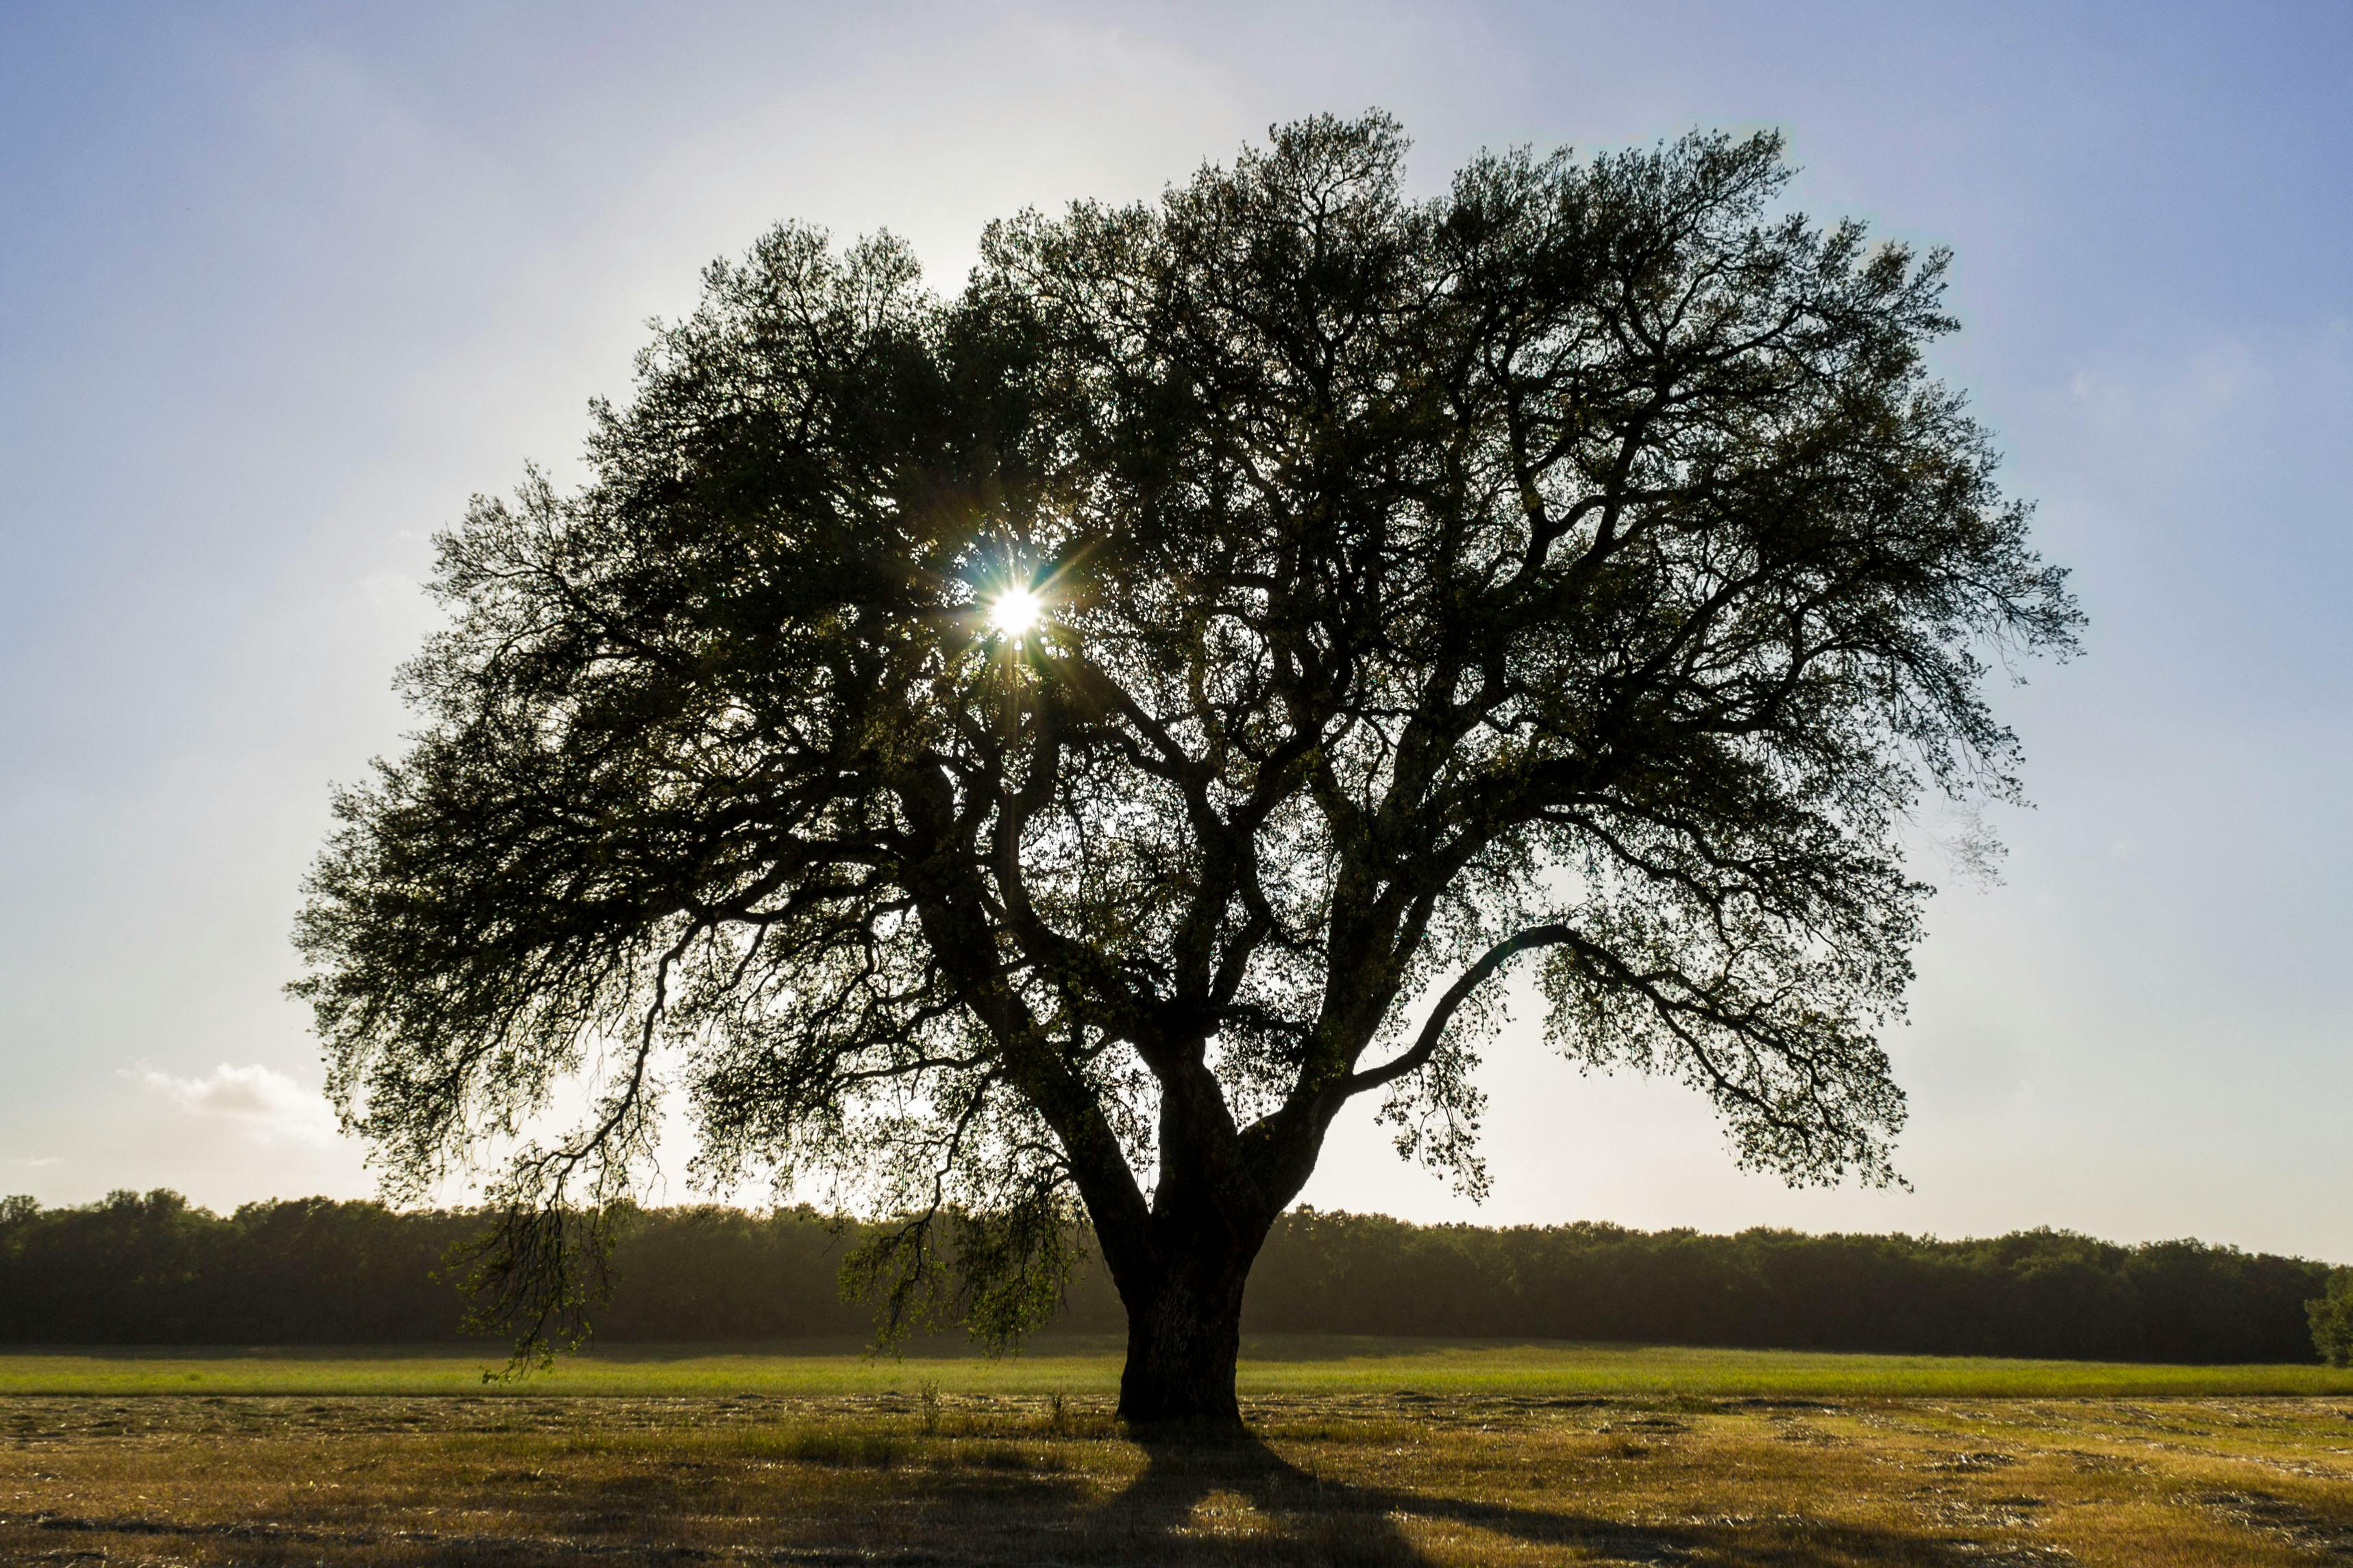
(1181, 1274)
(1184, 1335)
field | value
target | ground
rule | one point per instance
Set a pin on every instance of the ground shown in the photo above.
(1392, 1454)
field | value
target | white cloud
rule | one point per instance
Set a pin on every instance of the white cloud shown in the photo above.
(267, 1101)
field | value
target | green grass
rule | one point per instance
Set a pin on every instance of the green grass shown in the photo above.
(1273, 1365)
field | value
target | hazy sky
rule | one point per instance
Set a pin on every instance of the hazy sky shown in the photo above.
(280, 286)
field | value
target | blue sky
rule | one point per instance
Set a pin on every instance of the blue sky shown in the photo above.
(280, 286)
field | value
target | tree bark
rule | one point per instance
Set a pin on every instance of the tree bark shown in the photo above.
(1183, 1337)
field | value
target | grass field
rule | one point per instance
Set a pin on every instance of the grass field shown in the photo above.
(1364, 1452)
(1273, 1365)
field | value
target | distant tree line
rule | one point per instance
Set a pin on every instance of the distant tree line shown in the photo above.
(153, 1270)
(2032, 1293)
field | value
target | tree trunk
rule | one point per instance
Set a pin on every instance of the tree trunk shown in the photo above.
(1184, 1335)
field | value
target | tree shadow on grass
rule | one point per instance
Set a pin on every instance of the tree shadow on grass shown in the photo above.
(1236, 1499)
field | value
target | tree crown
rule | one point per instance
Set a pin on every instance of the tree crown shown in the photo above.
(1579, 562)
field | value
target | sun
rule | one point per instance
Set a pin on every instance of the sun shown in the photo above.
(1014, 613)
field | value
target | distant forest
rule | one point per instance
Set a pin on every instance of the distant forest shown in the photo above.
(152, 1270)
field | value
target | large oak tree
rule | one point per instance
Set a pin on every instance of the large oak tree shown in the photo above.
(1045, 752)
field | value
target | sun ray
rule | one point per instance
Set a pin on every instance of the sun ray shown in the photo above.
(1014, 613)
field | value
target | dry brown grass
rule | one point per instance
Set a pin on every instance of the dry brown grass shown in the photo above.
(966, 1478)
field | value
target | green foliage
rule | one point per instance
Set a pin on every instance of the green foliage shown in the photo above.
(153, 1271)
(150, 1270)
(998, 1275)
(1581, 562)
(2033, 1293)
(2331, 1316)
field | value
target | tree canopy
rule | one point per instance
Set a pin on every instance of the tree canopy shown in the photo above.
(1048, 749)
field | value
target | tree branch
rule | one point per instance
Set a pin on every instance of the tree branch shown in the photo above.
(1434, 1028)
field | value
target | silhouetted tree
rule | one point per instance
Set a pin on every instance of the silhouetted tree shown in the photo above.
(1045, 747)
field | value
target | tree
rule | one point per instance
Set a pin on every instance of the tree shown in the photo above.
(1043, 752)
(2331, 1313)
